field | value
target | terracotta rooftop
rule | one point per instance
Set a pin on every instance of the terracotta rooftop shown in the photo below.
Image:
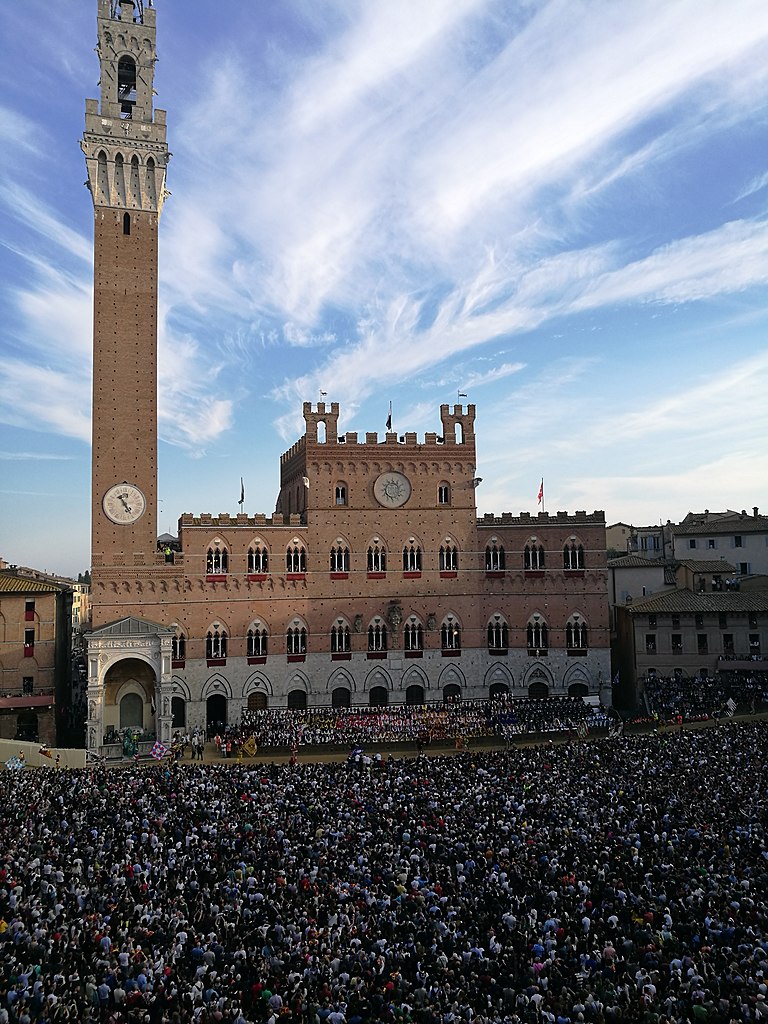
(11, 583)
(684, 600)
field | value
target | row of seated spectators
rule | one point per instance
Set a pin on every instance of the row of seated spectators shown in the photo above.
(702, 697)
(460, 720)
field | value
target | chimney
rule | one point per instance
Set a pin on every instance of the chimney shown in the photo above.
(754, 511)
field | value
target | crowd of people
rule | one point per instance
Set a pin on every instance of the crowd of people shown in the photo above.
(694, 698)
(461, 720)
(603, 881)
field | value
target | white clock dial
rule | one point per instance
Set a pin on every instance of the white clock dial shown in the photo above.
(124, 504)
(392, 489)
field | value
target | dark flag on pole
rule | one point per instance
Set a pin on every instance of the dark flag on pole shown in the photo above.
(242, 494)
(389, 418)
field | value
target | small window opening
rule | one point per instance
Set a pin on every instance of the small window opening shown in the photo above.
(126, 223)
(126, 86)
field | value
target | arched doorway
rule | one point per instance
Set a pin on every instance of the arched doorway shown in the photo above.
(414, 694)
(452, 692)
(257, 701)
(498, 690)
(129, 688)
(216, 712)
(378, 697)
(297, 699)
(178, 712)
(578, 690)
(131, 712)
(341, 697)
(538, 690)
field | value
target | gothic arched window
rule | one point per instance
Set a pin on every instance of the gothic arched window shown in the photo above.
(217, 561)
(258, 559)
(538, 635)
(216, 644)
(495, 560)
(413, 636)
(411, 557)
(339, 558)
(377, 558)
(340, 639)
(576, 634)
(377, 637)
(449, 558)
(256, 641)
(450, 635)
(498, 634)
(296, 558)
(533, 556)
(573, 556)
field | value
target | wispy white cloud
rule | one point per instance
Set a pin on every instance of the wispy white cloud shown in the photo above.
(34, 212)
(477, 380)
(46, 399)
(755, 185)
(34, 457)
(377, 204)
(729, 259)
(18, 131)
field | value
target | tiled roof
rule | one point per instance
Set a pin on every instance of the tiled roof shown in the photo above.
(635, 562)
(10, 583)
(684, 600)
(130, 626)
(707, 565)
(720, 523)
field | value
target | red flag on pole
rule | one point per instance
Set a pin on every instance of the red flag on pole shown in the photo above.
(541, 491)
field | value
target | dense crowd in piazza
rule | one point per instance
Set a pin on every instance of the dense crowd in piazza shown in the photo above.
(420, 723)
(702, 697)
(598, 881)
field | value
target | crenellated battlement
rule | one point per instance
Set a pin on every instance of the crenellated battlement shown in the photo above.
(596, 518)
(296, 449)
(319, 420)
(226, 521)
(458, 425)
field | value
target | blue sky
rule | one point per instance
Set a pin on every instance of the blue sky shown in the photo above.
(559, 208)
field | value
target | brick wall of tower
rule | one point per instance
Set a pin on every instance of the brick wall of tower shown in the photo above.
(125, 380)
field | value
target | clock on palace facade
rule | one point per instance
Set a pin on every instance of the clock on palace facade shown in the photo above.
(392, 489)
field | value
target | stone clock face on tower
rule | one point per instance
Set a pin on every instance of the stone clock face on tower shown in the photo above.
(124, 504)
(392, 489)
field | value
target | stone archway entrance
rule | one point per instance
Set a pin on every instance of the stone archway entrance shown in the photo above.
(414, 694)
(216, 712)
(129, 692)
(131, 658)
(257, 700)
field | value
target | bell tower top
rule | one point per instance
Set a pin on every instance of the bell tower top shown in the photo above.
(125, 137)
(127, 36)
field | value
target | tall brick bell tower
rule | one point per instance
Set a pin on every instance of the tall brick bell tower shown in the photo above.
(126, 154)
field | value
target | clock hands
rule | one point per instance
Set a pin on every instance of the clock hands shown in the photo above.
(124, 503)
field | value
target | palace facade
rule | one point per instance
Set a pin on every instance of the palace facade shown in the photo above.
(374, 581)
